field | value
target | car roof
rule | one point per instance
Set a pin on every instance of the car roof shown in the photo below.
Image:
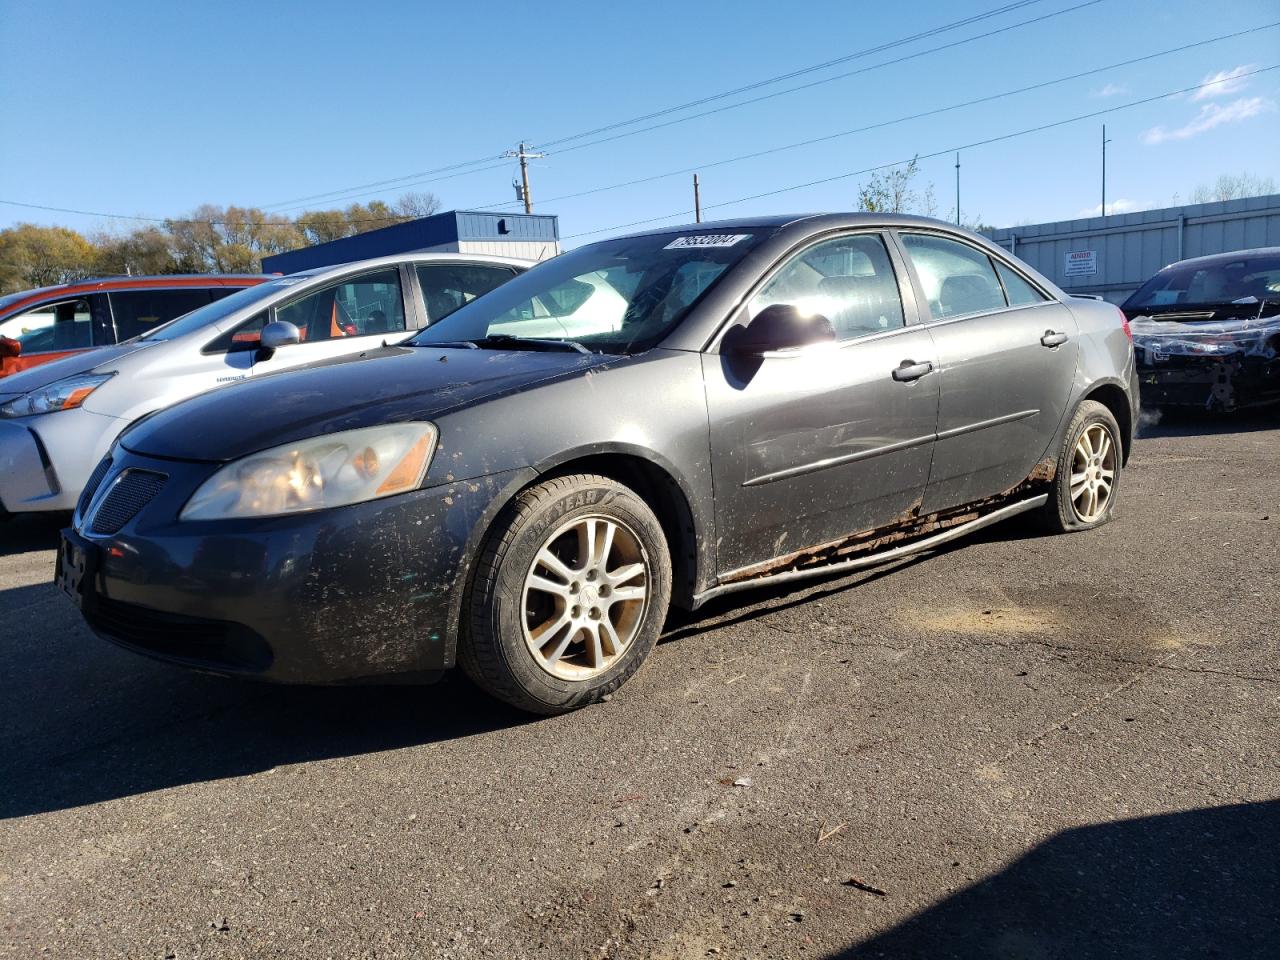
(815, 220)
(1213, 259)
(24, 298)
(414, 257)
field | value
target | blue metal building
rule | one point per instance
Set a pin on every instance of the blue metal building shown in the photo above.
(532, 236)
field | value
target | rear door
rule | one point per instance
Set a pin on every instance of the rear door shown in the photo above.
(135, 312)
(1007, 355)
(813, 445)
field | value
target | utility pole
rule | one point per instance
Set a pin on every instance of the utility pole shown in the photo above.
(1105, 141)
(697, 201)
(524, 157)
(957, 188)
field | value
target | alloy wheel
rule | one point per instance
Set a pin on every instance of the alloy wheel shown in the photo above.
(1093, 473)
(585, 597)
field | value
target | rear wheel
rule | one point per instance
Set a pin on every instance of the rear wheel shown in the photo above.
(569, 595)
(1088, 472)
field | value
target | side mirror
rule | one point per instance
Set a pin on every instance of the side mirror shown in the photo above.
(279, 333)
(781, 326)
(10, 348)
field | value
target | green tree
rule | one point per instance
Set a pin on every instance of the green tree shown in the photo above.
(35, 256)
(146, 250)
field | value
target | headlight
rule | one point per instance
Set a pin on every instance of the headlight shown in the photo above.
(322, 472)
(60, 395)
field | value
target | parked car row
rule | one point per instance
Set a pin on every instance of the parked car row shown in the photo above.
(392, 467)
(46, 324)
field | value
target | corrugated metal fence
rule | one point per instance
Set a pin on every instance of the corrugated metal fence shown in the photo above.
(1113, 256)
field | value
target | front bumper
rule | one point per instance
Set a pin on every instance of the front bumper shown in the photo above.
(45, 460)
(1212, 383)
(366, 591)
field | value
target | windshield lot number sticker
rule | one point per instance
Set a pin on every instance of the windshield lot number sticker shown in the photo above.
(706, 240)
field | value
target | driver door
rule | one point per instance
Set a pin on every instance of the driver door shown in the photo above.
(812, 445)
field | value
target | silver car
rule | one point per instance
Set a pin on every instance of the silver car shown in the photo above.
(58, 420)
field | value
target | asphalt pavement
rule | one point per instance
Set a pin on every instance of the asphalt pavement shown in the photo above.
(1015, 747)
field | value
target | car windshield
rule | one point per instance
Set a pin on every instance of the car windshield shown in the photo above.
(617, 296)
(1247, 279)
(219, 310)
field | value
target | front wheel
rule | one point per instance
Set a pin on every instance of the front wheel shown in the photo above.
(569, 595)
(1088, 472)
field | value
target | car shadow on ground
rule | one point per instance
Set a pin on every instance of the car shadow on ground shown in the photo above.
(1188, 422)
(84, 722)
(25, 534)
(1202, 883)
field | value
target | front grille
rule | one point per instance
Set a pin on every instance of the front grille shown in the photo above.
(90, 488)
(195, 640)
(129, 493)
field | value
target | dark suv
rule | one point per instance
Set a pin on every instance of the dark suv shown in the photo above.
(48, 323)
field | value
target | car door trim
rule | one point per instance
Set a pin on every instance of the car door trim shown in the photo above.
(817, 465)
(984, 424)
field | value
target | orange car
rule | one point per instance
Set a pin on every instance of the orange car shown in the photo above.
(37, 326)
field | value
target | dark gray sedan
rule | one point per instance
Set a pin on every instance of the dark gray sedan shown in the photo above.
(528, 485)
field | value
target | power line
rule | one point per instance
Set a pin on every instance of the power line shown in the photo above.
(888, 45)
(936, 153)
(988, 98)
(976, 18)
(886, 123)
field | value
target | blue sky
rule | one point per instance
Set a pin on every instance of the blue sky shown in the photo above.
(140, 108)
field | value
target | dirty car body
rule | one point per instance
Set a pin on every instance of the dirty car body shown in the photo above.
(935, 395)
(1207, 331)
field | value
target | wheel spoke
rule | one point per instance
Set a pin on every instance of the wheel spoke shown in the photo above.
(536, 582)
(1104, 445)
(610, 637)
(625, 573)
(543, 636)
(595, 647)
(601, 559)
(551, 562)
(620, 594)
(1085, 445)
(563, 645)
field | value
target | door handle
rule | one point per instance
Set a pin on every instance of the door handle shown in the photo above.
(1053, 339)
(909, 370)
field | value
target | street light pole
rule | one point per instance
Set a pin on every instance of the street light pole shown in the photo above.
(1105, 141)
(957, 189)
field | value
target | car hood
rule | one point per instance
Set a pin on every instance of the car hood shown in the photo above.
(47, 373)
(389, 385)
(1213, 332)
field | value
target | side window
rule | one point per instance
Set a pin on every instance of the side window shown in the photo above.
(52, 327)
(369, 304)
(246, 336)
(1017, 290)
(957, 278)
(137, 311)
(848, 280)
(448, 286)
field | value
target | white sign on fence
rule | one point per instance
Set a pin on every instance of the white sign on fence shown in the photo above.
(1080, 263)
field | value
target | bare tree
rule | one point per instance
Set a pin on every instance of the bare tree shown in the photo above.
(1231, 186)
(894, 191)
(415, 204)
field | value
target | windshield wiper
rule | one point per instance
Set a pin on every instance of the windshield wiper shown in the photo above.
(504, 341)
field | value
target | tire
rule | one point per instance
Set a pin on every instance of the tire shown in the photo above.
(541, 566)
(1065, 513)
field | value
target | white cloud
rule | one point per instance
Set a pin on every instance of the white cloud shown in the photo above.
(1114, 207)
(1223, 83)
(1211, 115)
(1110, 90)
